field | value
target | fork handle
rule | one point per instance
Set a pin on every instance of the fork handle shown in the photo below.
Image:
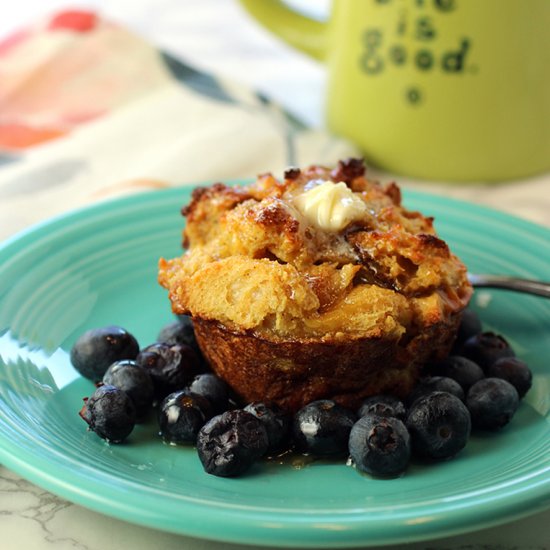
(538, 288)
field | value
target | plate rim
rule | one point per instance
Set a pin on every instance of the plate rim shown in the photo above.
(143, 196)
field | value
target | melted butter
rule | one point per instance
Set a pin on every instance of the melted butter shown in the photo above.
(329, 206)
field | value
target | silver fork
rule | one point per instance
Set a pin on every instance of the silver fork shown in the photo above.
(539, 288)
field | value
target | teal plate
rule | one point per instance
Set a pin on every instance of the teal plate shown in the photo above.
(97, 266)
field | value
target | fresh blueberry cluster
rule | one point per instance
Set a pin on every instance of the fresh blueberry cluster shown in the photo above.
(478, 387)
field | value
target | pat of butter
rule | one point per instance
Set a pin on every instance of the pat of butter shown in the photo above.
(330, 206)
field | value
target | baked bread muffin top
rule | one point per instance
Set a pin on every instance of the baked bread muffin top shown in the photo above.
(323, 254)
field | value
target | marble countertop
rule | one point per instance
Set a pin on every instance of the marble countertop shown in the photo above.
(217, 37)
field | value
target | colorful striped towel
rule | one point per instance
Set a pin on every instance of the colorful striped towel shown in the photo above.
(89, 110)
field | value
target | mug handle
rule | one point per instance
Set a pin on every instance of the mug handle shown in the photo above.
(300, 31)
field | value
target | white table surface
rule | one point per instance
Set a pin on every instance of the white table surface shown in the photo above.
(216, 36)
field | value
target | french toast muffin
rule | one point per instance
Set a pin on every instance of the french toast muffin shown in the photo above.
(317, 286)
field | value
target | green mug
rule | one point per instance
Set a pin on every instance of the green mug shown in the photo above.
(455, 90)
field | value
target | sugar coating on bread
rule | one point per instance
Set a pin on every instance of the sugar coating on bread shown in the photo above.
(254, 263)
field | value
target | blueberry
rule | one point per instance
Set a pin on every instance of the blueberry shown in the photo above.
(179, 332)
(439, 424)
(470, 325)
(322, 428)
(492, 403)
(171, 366)
(461, 369)
(513, 370)
(230, 443)
(110, 413)
(383, 405)
(181, 415)
(380, 445)
(98, 348)
(213, 388)
(275, 421)
(128, 376)
(436, 383)
(485, 348)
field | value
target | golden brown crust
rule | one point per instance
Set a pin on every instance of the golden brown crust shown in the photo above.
(385, 290)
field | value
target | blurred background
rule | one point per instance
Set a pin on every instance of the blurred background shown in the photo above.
(274, 102)
(214, 35)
